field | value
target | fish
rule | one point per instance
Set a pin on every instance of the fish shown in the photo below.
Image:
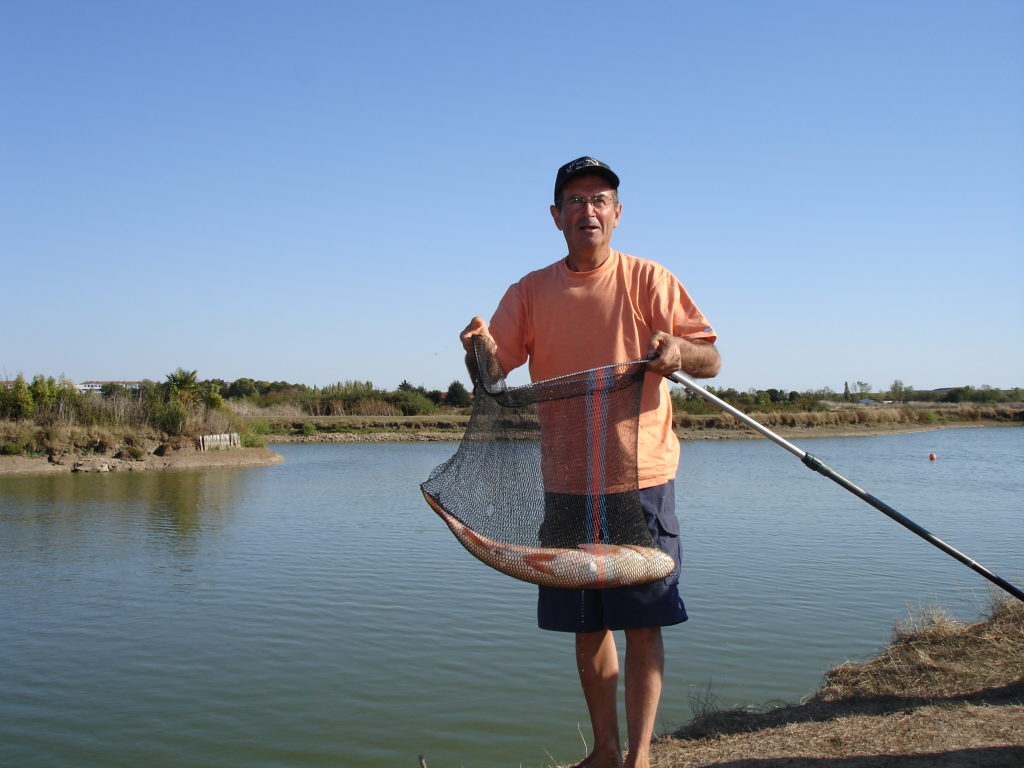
(587, 566)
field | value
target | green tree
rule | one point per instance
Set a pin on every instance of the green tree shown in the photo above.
(240, 388)
(44, 393)
(212, 398)
(67, 399)
(900, 392)
(457, 396)
(20, 404)
(183, 386)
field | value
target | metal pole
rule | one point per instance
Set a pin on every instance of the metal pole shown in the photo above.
(812, 462)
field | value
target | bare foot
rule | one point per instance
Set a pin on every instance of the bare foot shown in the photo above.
(638, 760)
(604, 760)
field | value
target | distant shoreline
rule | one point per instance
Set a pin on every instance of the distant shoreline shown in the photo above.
(91, 463)
(82, 463)
(428, 434)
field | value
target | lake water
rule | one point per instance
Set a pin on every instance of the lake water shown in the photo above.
(318, 613)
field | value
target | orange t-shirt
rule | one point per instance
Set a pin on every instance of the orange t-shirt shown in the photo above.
(565, 321)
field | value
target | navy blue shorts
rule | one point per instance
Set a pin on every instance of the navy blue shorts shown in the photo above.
(650, 605)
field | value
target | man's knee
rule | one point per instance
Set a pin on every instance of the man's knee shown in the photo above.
(643, 635)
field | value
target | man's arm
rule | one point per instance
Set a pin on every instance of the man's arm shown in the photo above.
(697, 358)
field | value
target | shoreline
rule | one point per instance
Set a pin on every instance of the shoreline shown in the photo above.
(834, 430)
(940, 693)
(739, 432)
(100, 463)
(90, 463)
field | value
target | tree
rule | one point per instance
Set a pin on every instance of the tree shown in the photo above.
(66, 399)
(209, 393)
(240, 388)
(183, 386)
(44, 392)
(457, 396)
(19, 400)
(957, 395)
(900, 392)
(113, 389)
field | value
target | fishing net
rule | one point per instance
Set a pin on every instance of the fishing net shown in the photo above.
(544, 484)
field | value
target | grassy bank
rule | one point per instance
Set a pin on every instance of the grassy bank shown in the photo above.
(297, 427)
(62, 441)
(879, 417)
(943, 694)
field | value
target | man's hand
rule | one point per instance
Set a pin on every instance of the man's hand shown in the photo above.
(476, 327)
(669, 354)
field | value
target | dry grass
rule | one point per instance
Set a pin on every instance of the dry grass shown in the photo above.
(247, 409)
(943, 694)
(931, 414)
(30, 438)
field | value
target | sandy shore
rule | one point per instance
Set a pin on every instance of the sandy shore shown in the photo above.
(184, 459)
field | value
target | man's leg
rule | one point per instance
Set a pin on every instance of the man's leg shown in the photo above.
(598, 663)
(645, 667)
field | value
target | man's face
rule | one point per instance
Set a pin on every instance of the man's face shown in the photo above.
(587, 227)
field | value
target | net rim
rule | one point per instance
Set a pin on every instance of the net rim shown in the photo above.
(501, 387)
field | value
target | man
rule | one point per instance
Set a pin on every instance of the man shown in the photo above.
(597, 307)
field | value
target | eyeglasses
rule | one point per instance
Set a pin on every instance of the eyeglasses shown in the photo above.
(600, 201)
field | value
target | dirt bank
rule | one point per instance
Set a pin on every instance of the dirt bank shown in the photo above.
(943, 694)
(180, 459)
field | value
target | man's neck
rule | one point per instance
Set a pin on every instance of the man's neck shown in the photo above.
(587, 261)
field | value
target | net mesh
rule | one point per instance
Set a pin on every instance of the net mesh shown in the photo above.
(552, 464)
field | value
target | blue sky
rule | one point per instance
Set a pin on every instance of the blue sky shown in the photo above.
(328, 191)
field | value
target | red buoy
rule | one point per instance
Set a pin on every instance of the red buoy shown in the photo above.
(932, 456)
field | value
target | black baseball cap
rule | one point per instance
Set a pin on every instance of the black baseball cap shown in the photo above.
(581, 166)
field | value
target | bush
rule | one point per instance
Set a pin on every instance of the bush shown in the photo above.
(309, 429)
(249, 440)
(130, 452)
(413, 403)
(19, 438)
(213, 400)
(170, 417)
(259, 427)
(254, 433)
